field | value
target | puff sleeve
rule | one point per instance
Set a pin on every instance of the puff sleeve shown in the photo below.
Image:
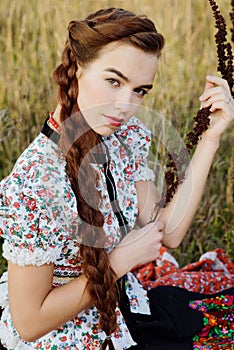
(28, 230)
(141, 141)
(33, 220)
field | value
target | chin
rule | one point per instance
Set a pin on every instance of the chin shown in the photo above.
(105, 131)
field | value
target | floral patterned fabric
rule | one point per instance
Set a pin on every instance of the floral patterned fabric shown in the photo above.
(218, 331)
(213, 273)
(38, 217)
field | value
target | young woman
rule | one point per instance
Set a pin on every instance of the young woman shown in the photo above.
(70, 205)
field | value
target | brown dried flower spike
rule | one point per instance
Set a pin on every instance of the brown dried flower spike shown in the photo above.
(175, 167)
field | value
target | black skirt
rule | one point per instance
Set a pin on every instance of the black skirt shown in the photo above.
(172, 323)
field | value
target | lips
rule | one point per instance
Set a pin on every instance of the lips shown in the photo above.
(114, 121)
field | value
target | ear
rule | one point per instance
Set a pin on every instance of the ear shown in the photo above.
(79, 72)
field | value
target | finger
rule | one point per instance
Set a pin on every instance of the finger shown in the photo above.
(217, 81)
(212, 92)
(208, 85)
(219, 98)
(160, 225)
(221, 105)
(159, 246)
(148, 227)
(160, 236)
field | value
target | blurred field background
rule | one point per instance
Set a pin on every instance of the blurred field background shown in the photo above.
(32, 35)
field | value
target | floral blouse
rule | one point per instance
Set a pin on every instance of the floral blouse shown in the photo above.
(37, 217)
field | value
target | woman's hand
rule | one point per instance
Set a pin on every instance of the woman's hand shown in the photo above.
(217, 96)
(137, 248)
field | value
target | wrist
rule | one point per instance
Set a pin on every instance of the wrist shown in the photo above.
(210, 141)
(118, 262)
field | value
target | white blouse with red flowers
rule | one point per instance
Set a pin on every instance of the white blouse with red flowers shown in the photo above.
(37, 218)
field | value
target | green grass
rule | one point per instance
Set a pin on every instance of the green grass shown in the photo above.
(32, 35)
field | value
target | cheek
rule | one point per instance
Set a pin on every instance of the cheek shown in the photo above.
(136, 104)
(92, 95)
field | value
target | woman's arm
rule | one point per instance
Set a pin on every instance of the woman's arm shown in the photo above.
(179, 213)
(36, 307)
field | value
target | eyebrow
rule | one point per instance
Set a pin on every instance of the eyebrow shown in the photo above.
(115, 71)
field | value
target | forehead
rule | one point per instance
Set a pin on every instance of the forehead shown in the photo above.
(131, 61)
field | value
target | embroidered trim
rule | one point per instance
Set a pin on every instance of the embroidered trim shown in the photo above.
(23, 256)
(218, 321)
(144, 175)
(4, 290)
(66, 272)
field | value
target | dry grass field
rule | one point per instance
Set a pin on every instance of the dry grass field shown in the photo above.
(32, 35)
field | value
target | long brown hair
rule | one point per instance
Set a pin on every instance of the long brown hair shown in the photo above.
(85, 40)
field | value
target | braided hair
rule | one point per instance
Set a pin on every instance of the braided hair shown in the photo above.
(85, 40)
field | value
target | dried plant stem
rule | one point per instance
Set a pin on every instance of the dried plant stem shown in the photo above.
(224, 47)
(232, 19)
(175, 172)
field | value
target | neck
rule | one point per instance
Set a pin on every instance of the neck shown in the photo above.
(56, 114)
(55, 117)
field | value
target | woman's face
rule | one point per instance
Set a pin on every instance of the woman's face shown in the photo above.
(113, 86)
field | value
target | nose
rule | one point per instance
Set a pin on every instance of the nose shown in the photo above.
(123, 102)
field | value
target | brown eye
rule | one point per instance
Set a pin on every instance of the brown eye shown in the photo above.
(113, 82)
(141, 92)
